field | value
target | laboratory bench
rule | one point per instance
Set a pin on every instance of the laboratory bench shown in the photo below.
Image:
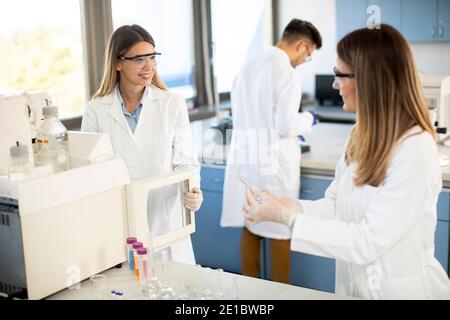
(219, 247)
(124, 281)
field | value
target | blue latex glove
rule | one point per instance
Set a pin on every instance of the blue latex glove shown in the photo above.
(315, 121)
(315, 117)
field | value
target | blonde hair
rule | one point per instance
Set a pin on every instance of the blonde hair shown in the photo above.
(120, 42)
(389, 99)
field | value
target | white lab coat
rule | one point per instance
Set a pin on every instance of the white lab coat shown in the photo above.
(265, 98)
(381, 237)
(161, 143)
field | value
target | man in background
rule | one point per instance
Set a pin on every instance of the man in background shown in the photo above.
(264, 150)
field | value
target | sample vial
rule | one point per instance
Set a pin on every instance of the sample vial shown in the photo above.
(143, 267)
(136, 246)
(130, 253)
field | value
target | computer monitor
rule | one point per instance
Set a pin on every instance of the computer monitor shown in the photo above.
(325, 94)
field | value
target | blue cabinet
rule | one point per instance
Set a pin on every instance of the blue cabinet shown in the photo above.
(350, 15)
(214, 246)
(356, 14)
(313, 187)
(441, 240)
(444, 20)
(307, 270)
(443, 206)
(426, 20)
(442, 235)
(417, 20)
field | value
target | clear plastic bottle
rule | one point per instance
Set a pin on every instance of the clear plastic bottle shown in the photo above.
(53, 141)
(20, 167)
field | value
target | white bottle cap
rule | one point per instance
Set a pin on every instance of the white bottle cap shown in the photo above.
(18, 151)
(50, 111)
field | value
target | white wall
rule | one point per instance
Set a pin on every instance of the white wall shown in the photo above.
(433, 58)
(322, 14)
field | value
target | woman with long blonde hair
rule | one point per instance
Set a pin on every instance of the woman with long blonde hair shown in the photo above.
(148, 127)
(378, 216)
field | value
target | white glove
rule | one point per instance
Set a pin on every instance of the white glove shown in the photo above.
(266, 206)
(193, 199)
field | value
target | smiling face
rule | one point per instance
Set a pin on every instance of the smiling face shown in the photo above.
(137, 72)
(346, 86)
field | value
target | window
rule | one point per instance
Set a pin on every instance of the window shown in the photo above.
(171, 25)
(240, 30)
(42, 52)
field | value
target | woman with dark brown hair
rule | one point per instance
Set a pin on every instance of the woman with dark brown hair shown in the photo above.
(378, 216)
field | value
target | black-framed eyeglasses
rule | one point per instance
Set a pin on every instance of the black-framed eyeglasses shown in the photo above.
(308, 58)
(141, 60)
(338, 74)
(340, 77)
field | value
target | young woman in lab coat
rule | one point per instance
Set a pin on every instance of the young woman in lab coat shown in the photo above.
(148, 126)
(378, 216)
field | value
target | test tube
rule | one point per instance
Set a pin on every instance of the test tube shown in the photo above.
(167, 292)
(142, 261)
(234, 288)
(130, 242)
(219, 293)
(198, 287)
(208, 293)
(136, 246)
(184, 286)
(152, 287)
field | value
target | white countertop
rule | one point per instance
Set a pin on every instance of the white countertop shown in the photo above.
(248, 288)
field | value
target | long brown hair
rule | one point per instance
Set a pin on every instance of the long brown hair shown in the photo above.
(120, 42)
(389, 98)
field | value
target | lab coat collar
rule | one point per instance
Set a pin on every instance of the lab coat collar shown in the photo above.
(411, 132)
(150, 104)
(281, 53)
(115, 110)
(152, 92)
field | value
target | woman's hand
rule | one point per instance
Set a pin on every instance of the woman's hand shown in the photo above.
(193, 199)
(266, 206)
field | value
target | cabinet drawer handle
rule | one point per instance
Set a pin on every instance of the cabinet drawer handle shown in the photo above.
(217, 180)
(306, 190)
(433, 32)
(441, 29)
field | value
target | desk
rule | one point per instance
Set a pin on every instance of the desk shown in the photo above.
(332, 114)
(248, 288)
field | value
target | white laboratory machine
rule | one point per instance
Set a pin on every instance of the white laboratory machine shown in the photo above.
(59, 229)
(21, 120)
(436, 89)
